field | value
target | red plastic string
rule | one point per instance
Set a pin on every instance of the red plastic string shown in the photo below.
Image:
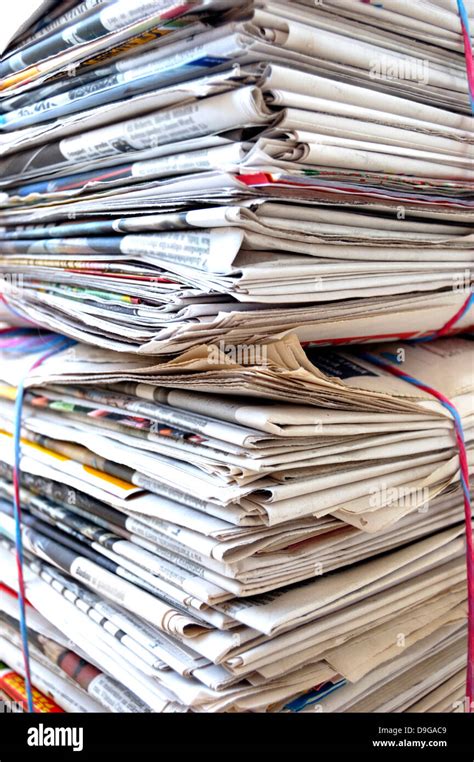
(445, 330)
(467, 50)
(464, 467)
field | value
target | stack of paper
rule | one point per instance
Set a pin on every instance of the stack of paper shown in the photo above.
(186, 509)
(238, 169)
(222, 508)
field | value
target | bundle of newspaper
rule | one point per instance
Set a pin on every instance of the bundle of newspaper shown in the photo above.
(214, 548)
(174, 174)
(221, 516)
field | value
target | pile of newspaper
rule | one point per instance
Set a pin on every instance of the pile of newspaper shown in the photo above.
(175, 173)
(164, 517)
(219, 512)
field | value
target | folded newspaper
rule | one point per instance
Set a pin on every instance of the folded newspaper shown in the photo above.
(217, 219)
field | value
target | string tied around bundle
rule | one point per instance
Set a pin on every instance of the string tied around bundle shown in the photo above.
(464, 480)
(25, 341)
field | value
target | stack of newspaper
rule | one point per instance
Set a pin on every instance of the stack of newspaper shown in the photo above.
(223, 509)
(173, 174)
(243, 550)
